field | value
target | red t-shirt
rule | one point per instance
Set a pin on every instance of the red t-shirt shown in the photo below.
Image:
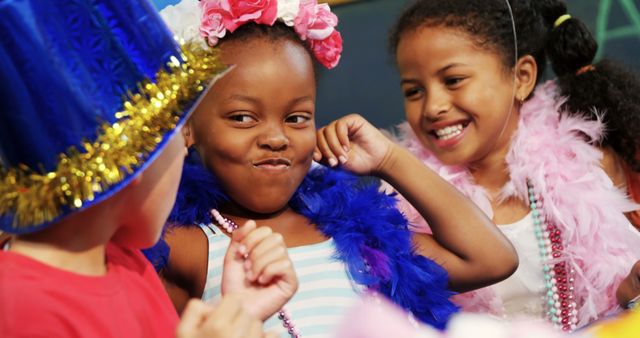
(37, 300)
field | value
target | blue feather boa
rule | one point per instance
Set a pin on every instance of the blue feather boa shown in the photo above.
(370, 234)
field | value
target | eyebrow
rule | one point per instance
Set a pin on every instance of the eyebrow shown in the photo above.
(302, 99)
(249, 99)
(451, 65)
(245, 98)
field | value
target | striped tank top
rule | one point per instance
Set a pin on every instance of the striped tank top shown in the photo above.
(325, 292)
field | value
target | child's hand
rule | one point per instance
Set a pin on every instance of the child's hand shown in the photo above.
(265, 279)
(629, 288)
(354, 143)
(227, 320)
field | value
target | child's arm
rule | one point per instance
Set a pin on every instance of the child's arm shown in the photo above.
(465, 242)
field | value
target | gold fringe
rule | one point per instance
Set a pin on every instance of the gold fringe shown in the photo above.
(34, 198)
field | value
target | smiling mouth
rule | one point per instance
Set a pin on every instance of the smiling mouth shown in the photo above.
(449, 132)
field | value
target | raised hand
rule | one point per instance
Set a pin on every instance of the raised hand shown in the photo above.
(258, 269)
(354, 143)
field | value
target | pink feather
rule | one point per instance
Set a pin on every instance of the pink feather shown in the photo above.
(553, 152)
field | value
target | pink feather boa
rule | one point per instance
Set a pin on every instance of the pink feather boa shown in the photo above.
(579, 198)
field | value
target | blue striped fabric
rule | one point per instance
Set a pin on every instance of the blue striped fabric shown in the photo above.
(325, 293)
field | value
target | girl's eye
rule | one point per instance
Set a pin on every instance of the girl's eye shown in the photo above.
(453, 81)
(298, 119)
(413, 93)
(242, 118)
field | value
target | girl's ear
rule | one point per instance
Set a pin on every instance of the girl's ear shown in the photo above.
(526, 73)
(187, 133)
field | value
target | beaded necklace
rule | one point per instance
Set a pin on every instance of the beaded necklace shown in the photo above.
(558, 280)
(284, 315)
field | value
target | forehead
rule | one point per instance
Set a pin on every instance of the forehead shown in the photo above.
(439, 45)
(260, 54)
(264, 66)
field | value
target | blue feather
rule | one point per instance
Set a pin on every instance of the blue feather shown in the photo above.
(363, 222)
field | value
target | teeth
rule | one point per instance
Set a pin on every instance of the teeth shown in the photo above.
(449, 132)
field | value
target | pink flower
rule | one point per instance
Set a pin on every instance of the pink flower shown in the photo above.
(328, 51)
(323, 22)
(243, 11)
(315, 21)
(218, 16)
(212, 25)
(306, 13)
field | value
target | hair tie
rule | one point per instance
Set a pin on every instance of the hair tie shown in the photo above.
(560, 20)
(585, 69)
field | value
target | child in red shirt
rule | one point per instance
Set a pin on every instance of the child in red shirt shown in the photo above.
(95, 94)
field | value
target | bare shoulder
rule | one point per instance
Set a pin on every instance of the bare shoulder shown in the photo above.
(613, 166)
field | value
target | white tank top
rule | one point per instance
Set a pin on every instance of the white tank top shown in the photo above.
(523, 292)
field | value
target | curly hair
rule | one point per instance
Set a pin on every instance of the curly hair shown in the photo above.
(606, 90)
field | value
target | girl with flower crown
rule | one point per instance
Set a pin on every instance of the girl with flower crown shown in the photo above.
(254, 137)
(475, 115)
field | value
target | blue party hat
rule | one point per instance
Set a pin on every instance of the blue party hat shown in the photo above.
(91, 91)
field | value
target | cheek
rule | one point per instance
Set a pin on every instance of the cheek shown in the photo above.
(413, 116)
(305, 143)
(225, 147)
(489, 107)
(415, 119)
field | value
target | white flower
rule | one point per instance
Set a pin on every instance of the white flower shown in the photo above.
(287, 11)
(183, 19)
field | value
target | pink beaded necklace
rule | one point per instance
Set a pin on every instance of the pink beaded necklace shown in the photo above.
(284, 315)
(558, 279)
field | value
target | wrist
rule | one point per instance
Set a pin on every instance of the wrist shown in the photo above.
(390, 160)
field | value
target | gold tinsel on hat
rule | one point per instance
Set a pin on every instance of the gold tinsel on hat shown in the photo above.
(147, 115)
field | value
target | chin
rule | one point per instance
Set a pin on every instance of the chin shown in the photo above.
(452, 158)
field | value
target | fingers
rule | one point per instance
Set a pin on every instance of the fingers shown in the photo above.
(241, 233)
(228, 309)
(333, 142)
(342, 131)
(228, 319)
(280, 269)
(326, 155)
(241, 325)
(255, 236)
(193, 316)
(263, 249)
(259, 262)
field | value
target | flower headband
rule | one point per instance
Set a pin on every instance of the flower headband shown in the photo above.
(313, 22)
